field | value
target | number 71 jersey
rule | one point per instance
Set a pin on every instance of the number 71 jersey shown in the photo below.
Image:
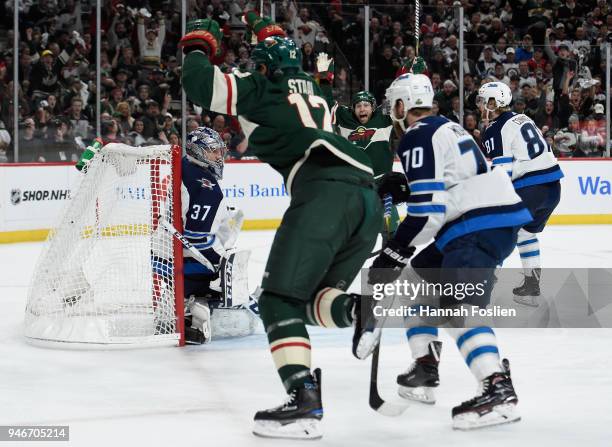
(452, 190)
(514, 143)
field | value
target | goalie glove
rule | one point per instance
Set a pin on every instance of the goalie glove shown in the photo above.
(262, 27)
(389, 264)
(325, 67)
(204, 35)
(396, 185)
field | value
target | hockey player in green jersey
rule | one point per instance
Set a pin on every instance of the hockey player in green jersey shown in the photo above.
(363, 124)
(333, 218)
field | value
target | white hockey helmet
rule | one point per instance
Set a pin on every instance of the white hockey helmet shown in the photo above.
(415, 91)
(497, 91)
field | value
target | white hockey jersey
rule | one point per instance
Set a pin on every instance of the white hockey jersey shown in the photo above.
(452, 190)
(515, 144)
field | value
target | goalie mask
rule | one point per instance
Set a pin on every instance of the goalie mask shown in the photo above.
(206, 148)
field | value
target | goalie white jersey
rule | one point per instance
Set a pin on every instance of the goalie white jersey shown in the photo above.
(452, 190)
(515, 144)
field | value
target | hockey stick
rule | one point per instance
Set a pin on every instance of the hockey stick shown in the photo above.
(251, 306)
(374, 253)
(417, 32)
(188, 245)
(376, 402)
(417, 26)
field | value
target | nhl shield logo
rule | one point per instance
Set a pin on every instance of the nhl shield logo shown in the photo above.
(15, 196)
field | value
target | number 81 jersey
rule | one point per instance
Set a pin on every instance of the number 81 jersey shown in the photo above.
(452, 190)
(515, 144)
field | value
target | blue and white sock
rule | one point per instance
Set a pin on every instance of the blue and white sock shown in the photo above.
(529, 249)
(419, 339)
(479, 349)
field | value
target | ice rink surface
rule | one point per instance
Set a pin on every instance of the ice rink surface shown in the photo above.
(207, 395)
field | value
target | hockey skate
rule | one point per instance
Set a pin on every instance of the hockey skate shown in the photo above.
(529, 291)
(496, 405)
(298, 418)
(367, 335)
(419, 381)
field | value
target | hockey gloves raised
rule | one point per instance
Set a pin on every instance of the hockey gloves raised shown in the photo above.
(388, 265)
(262, 27)
(325, 67)
(396, 185)
(202, 34)
(415, 65)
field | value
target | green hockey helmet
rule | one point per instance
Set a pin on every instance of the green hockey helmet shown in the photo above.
(206, 25)
(277, 53)
(363, 96)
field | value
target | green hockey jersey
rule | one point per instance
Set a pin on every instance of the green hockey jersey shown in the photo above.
(372, 137)
(285, 121)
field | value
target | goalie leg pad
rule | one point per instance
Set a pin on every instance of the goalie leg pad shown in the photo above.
(234, 275)
(232, 322)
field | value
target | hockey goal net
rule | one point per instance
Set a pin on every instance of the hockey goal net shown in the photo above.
(109, 274)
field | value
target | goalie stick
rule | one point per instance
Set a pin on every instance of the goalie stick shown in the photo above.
(194, 251)
(251, 306)
(376, 402)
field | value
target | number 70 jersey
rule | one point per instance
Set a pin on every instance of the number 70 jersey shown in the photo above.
(513, 143)
(452, 190)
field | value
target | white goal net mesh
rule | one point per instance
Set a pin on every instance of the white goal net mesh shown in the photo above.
(106, 274)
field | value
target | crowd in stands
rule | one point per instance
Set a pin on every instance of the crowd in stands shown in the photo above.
(140, 94)
(549, 52)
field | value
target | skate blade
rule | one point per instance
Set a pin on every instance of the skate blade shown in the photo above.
(530, 301)
(298, 429)
(500, 414)
(423, 394)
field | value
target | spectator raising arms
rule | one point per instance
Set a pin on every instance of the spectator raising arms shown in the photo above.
(550, 57)
(150, 41)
